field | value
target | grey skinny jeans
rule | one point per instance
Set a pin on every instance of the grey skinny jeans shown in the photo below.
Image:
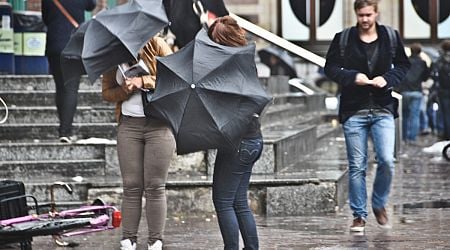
(145, 148)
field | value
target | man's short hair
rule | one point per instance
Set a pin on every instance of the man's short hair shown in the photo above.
(416, 48)
(446, 45)
(359, 4)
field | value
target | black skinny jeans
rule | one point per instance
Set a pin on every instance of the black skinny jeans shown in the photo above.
(66, 94)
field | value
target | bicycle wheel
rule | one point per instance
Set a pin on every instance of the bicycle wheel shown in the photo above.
(446, 152)
(43, 227)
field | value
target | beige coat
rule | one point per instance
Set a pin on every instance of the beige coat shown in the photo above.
(113, 92)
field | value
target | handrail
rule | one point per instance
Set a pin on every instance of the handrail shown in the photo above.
(279, 41)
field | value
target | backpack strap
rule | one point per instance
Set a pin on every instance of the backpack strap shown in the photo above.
(392, 40)
(343, 39)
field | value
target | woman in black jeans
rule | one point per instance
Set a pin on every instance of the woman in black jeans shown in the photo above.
(232, 170)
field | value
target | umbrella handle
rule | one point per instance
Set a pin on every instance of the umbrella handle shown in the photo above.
(198, 8)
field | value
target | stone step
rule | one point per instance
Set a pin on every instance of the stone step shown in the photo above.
(49, 131)
(282, 148)
(40, 82)
(47, 98)
(282, 112)
(84, 114)
(45, 156)
(56, 168)
(39, 151)
(271, 195)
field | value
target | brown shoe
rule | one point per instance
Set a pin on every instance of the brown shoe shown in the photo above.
(381, 215)
(358, 225)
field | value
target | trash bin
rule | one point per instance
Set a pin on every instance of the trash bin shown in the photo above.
(29, 37)
(6, 39)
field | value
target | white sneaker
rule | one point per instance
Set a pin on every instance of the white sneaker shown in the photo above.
(68, 139)
(156, 246)
(127, 245)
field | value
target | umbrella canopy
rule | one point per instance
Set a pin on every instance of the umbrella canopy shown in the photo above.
(71, 55)
(116, 35)
(284, 63)
(207, 93)
(184, 23)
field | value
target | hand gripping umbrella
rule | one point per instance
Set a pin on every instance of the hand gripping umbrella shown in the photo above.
(116, 35)
(207, 93)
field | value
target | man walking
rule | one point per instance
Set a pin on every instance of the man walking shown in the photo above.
(367, 69)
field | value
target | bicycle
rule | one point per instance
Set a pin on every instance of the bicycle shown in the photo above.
(446, 152)
(60, 224)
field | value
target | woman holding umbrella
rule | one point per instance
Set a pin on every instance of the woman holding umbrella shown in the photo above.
(232, 169)
(145, 147)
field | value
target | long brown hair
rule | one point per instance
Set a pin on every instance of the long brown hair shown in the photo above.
(226, 31)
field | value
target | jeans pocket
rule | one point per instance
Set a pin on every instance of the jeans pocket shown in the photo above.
(250, 150)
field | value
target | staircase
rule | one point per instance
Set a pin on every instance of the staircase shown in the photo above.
(301, 171)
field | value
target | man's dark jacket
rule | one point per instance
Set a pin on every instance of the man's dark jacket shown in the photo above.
(59, 28)
(418, 73)
(343, 71)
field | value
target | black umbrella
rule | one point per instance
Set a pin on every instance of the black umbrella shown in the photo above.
(278, 60)
(71, 55)
(207, 93)
(116, 35)
(184, 22)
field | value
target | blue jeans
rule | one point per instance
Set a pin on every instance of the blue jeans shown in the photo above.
(424, 121)
(232, 171)
(411, 102)
(357, 129)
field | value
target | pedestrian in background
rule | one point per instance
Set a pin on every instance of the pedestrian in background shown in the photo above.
(232, 169)
(145, 147)
(59, 28)
(441, 73)
(411, 90)
(367, 72)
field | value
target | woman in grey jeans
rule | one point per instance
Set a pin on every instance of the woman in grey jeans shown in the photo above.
(145, 147)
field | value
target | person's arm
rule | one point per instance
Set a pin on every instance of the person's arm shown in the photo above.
(426, 72)
(334, 65)
(111, 90)
(161, 49)
(401, 64)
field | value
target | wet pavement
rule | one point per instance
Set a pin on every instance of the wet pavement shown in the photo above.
(419, 213)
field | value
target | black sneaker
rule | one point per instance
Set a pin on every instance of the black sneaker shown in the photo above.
(358, 225)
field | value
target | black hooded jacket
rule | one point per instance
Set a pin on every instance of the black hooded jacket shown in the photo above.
(343, 70)
(59, 28)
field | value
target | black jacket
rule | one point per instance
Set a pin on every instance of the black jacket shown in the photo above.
(59, 28)
(343, 71)
(418, 73)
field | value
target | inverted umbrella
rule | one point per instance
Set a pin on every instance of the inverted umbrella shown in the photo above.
(207, 93)
(279, 61)
(184, 22)
(116, 35)
(71, 54)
